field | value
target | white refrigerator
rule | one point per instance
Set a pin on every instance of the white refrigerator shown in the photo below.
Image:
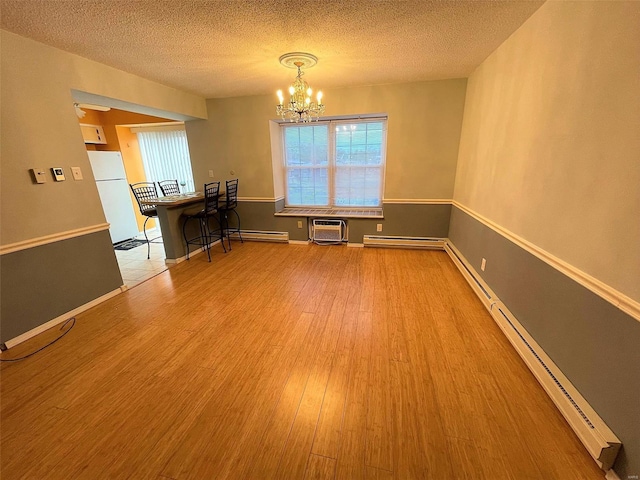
(113, 187)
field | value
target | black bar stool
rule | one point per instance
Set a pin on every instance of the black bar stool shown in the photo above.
(146, 191)
(169, 187)
(229, 205)
(203, 217)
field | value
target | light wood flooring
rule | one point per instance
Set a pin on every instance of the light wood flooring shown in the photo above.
(285, 361)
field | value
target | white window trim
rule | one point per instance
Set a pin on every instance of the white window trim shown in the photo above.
(331, 122)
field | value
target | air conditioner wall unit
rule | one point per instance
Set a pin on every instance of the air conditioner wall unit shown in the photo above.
(327, 231)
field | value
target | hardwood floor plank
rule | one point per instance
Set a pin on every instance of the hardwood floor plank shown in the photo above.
(371, 473)
(422, 451)
(298, 448)
(379, 438)
(351, 454)
(327, 436)
(320, 468)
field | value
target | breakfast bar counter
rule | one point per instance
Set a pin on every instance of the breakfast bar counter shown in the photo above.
(170, 210)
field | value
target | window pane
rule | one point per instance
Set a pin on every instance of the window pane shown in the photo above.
(359, 159)
(294, 185)
(306, 146)
(308, 186)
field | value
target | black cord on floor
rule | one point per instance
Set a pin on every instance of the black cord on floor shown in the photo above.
(72, 319)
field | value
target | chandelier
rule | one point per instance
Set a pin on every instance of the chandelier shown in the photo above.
(300, 107)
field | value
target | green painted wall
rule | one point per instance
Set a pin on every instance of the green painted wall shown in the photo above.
(42, 283)
(422, 147)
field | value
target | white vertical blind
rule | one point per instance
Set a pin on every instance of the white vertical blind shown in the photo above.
(335, 164)
(165, 156)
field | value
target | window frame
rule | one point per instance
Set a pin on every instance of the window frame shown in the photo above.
(331, 124)
(286, 168)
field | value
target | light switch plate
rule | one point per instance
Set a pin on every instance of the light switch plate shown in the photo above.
(58, 173)
(38, 175)
(77, 173)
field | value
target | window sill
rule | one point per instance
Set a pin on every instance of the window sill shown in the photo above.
(331, 212)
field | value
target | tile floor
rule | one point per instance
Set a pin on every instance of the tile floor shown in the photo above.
(134, 265)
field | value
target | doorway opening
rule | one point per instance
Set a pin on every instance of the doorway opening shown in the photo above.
(118, 159)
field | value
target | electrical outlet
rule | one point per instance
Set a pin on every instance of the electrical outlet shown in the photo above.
(210, 173)
(483, 264)
(77, 173)
(299, 223)
(379, 227)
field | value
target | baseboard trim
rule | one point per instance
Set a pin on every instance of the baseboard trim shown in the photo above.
(262, 236)
(64, 317)
(258, 199)
(403, 242)
(299, 242)
(611, 475)
(175, 261)
(355, 245)
(55, 237)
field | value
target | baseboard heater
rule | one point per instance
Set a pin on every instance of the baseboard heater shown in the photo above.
(262, 236)
(328, 231)
(601, 443)
(403, 242)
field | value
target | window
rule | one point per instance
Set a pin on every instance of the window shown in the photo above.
(165, 156)
(335, 164)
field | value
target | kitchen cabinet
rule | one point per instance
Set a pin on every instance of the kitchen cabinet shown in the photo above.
(93, 134)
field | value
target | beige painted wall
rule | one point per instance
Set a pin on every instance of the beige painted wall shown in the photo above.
(424, 125)
(39, 128)
(550, 148)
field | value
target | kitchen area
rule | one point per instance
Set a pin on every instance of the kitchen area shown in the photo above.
(116, 160)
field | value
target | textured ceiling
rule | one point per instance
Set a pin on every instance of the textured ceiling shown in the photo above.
(231, 48)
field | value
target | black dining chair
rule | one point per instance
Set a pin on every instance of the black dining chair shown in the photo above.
(229, 205)
(169, 187)
(146, 191)
(204, 216)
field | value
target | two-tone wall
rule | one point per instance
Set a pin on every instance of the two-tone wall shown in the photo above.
(548, 191)
(547, 152)
(422, 149)
(56, 250)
